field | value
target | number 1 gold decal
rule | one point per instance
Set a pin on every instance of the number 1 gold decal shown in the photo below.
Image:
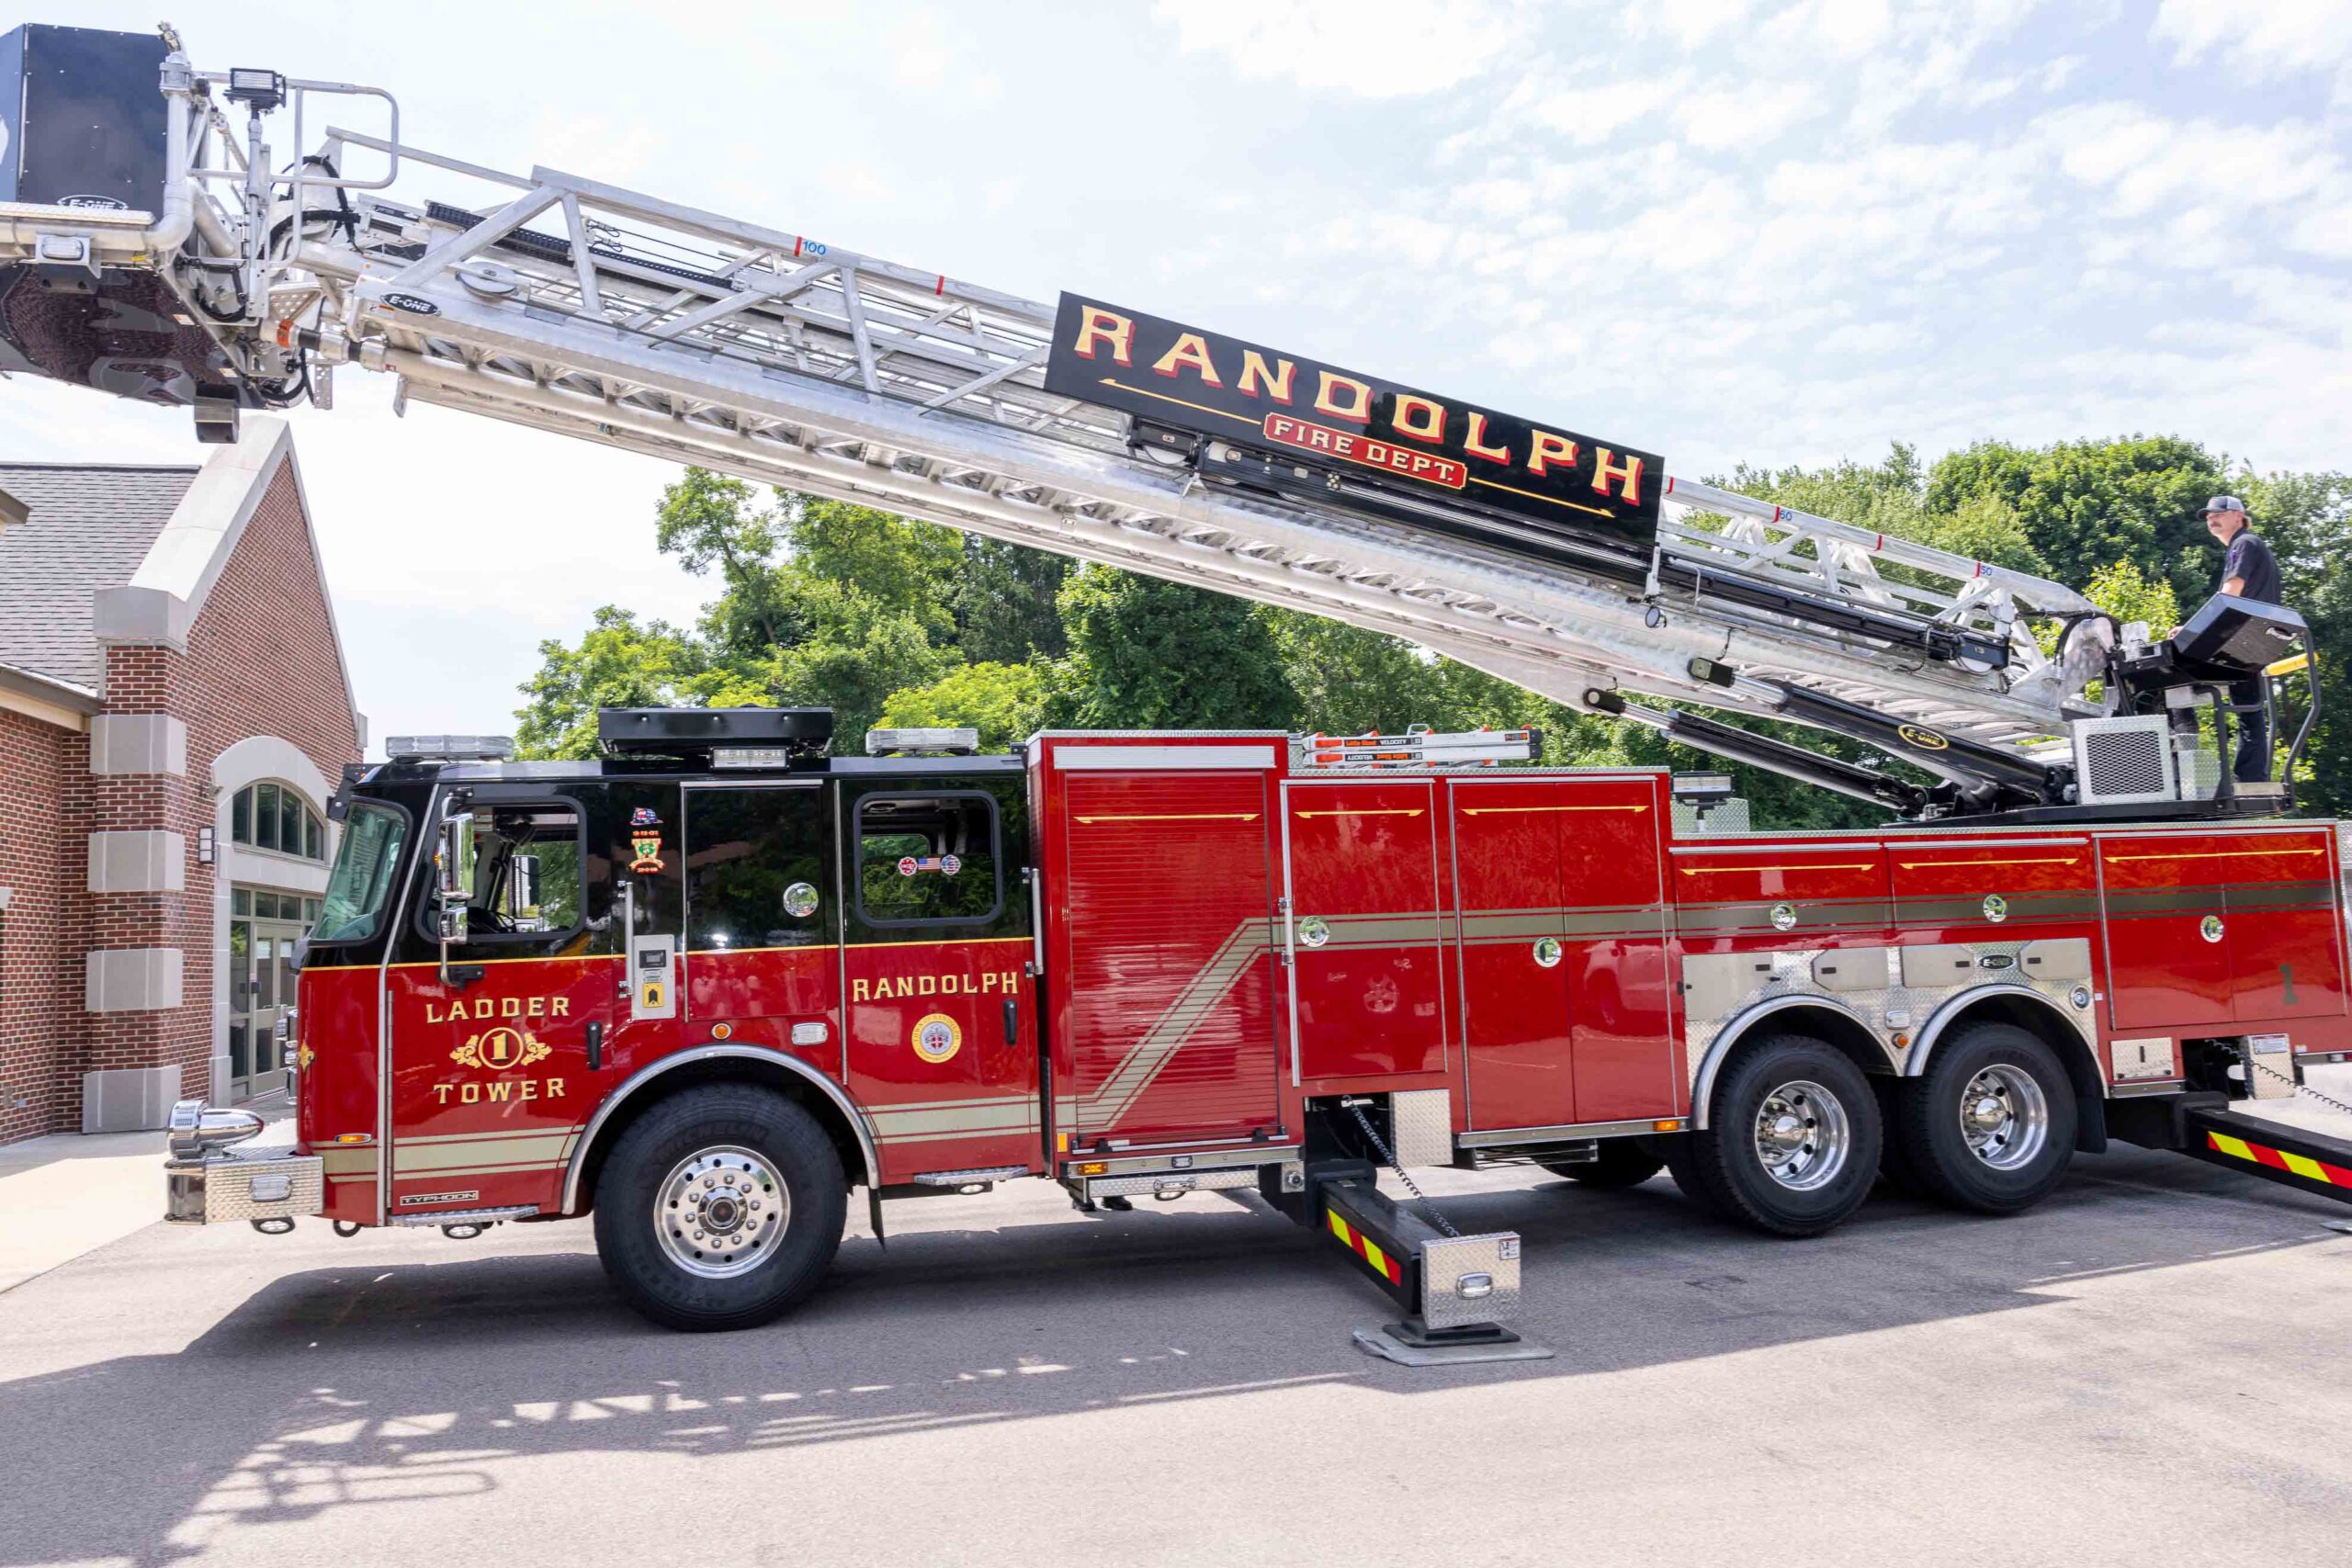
(498, 1049)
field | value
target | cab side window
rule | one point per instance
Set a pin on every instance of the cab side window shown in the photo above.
(929, 858)
(522, 865)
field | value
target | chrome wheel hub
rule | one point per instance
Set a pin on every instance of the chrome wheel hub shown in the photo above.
(1803, 1136)
(2005, 1116)
(721, 1210)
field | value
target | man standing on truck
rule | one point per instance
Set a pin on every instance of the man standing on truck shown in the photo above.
(2248, 571)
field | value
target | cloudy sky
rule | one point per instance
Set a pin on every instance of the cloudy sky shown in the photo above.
(1719, 229)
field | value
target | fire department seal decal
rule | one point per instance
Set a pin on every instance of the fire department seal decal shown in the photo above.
(498, 1049)
(645, 846)
(937, 1037)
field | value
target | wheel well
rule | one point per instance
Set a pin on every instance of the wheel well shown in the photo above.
(1826, 1025)
(767, 1074)
(2045, 1022)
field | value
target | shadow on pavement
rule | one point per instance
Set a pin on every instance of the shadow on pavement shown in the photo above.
(388, 1380)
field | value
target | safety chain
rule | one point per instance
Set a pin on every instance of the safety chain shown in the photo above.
(1419, 1197)
(2301, 1088)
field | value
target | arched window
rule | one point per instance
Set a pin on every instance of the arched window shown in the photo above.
(275, 816)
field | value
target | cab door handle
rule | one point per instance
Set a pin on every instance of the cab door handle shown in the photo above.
(595, 1046)
(1012, 1022)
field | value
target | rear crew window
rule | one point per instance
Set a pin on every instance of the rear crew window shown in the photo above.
(928, 860)
(758, 874)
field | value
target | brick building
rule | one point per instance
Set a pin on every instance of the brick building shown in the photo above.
(174, 711)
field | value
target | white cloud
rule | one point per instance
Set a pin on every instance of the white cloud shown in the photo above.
(931, 54)
(2262, 39)
(1744, 115)
(1846, 27)
(1375, 49)
(1595, 113)
(2201, 182)
(1691, 22)
(620, 152)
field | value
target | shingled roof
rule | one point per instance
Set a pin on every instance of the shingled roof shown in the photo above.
(89, 527)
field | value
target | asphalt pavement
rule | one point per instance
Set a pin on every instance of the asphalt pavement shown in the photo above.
(2149, 1368)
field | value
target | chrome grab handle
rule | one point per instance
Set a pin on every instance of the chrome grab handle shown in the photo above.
(624, 988)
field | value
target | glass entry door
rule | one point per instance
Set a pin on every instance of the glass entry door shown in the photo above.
(263, 928)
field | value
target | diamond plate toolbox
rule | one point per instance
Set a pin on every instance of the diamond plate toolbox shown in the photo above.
(258, 1184)
(1470, 1279)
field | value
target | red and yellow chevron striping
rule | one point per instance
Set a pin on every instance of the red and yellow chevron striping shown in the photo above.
(2309, 1169)
(1389, 1268)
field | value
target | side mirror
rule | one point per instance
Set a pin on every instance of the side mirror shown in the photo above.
(449, 858)
(449, 887)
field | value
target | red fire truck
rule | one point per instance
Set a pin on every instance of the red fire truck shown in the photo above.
(705, 988)
(709, 984)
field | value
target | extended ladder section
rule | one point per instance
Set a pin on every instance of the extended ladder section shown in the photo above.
(567, 304)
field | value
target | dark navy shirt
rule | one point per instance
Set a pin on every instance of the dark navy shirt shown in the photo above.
(2250, 558)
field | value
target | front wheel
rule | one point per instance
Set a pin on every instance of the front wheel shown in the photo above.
(1990, 1126)
(1793, 1142)
(720, 1209)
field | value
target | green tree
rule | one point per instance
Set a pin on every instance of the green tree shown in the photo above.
(1152, 655)
(617, 663)
(903, 567)
(2128, 594)
(709, 522)
(1886, 498)
(2086, 504)
(1005, 602)
(857, 652)
(1005, 701)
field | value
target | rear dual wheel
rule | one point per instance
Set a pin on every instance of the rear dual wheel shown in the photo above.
(1792, 1139)
(1990, 1126)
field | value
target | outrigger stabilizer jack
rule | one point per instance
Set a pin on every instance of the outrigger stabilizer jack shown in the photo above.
(1453, 1288)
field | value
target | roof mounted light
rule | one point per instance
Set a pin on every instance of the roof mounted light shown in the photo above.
(259, 90)
(450, 747)
(922, 743)
(742, 733)
(1701, 786)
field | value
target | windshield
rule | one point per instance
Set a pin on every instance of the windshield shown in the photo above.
(364, 864)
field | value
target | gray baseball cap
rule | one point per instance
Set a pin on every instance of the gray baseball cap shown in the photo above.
(2223, 503)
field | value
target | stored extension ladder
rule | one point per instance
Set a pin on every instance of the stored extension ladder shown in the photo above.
(1417, 748)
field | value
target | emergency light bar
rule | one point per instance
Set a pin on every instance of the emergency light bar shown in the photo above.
(450, 747)
(919, 742)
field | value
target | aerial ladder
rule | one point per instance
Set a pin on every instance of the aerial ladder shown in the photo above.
(228, 271)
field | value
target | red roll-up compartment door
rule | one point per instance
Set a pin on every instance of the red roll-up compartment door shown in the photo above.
(1171, 991)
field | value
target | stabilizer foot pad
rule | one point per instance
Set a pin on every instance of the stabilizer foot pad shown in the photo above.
(1384, 1343)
